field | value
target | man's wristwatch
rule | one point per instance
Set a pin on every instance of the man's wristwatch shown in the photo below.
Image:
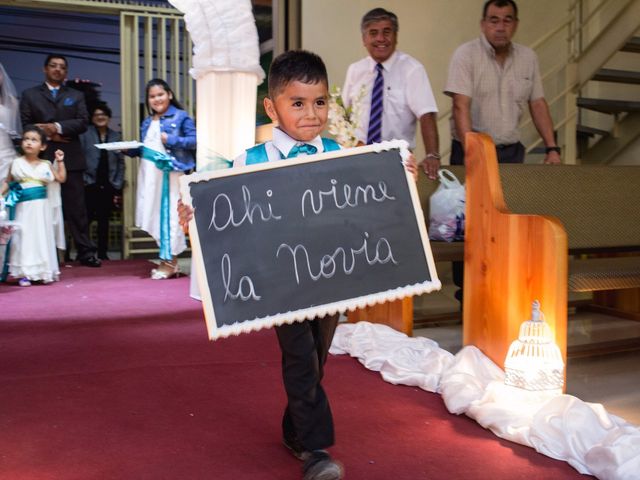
(548, 150)
(433, 155)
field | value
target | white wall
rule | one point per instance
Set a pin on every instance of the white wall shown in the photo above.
(630, 155)
(430, 30)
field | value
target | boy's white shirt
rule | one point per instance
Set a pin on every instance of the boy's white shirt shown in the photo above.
(280, 144)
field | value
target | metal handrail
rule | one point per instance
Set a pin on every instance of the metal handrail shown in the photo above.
(542, 40)
(556, 126)
(554, 70)
(591, 15)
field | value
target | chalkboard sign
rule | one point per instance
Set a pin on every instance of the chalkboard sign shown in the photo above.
(286, 241)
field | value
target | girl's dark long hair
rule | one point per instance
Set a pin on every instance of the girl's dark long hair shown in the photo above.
(158, 82)
(39, 131)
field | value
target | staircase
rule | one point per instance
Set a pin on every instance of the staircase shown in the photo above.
(597, 145)
(593, 90)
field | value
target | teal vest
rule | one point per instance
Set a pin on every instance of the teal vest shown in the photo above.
(258, 154)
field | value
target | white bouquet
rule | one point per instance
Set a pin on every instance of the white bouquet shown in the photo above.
(343, 122)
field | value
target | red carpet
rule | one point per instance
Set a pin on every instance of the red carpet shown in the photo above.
(109, 375)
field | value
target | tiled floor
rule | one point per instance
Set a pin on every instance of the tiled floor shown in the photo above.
(613, 380)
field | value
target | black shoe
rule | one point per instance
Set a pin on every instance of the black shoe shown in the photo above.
(90, 262)
(320, 466)
(103, 256)
(296, 448)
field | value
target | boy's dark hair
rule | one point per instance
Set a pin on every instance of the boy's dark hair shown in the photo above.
(296, 65)
(102, 107)
(158, 82)
(500, 4)
(377, 15)
(38, 130)
(56, 55)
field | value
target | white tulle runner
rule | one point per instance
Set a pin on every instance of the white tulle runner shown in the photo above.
(560, 426)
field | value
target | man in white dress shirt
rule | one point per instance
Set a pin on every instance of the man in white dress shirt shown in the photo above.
(407, 97)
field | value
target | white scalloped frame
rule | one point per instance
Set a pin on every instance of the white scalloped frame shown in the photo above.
(250, 325)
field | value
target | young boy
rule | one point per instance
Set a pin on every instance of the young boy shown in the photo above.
(298, 104)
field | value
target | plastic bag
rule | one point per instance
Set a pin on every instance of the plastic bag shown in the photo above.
(446, 209)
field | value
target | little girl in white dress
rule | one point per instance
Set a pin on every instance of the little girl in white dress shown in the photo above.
(34, 197)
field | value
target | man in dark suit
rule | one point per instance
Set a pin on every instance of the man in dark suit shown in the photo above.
(62, 113)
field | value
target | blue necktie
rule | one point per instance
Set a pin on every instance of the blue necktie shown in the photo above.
(374, 133)
(54, 92)
(304, 148)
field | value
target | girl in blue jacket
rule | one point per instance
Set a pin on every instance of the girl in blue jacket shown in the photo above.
(169, 138)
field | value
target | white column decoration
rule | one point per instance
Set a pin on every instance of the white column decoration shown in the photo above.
(226, 66)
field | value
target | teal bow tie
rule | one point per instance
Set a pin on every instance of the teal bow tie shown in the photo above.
(304, 148)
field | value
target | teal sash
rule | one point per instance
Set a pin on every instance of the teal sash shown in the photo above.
(163, 162)
(257, 154)
(16, 195)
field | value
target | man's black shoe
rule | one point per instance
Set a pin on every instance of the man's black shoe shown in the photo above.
(296, 448)
(320, 466)
(103, 256)
(90, 262)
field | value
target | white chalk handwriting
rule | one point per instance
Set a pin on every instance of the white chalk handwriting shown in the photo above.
(222, 217)
(244, 285)
(347, 196)
(329, 263)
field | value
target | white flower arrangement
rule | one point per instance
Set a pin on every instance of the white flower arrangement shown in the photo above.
(343, 122)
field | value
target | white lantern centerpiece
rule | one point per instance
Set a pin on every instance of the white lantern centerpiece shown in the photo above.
(534, 361)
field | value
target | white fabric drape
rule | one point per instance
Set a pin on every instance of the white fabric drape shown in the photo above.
(224, 34)
(559, 426)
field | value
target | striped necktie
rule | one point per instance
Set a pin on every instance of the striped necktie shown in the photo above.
(304, 148)
(374, 133)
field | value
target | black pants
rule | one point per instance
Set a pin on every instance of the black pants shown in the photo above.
(75, 213)
(99, 207)
(305, 346)
(513, 153)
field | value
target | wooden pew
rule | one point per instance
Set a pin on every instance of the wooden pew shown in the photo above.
(510, 260)
(397, 314)
(577, 229)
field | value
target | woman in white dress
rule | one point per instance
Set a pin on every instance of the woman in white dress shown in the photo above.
(169, 138)
(32, 253)
(9, 122)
